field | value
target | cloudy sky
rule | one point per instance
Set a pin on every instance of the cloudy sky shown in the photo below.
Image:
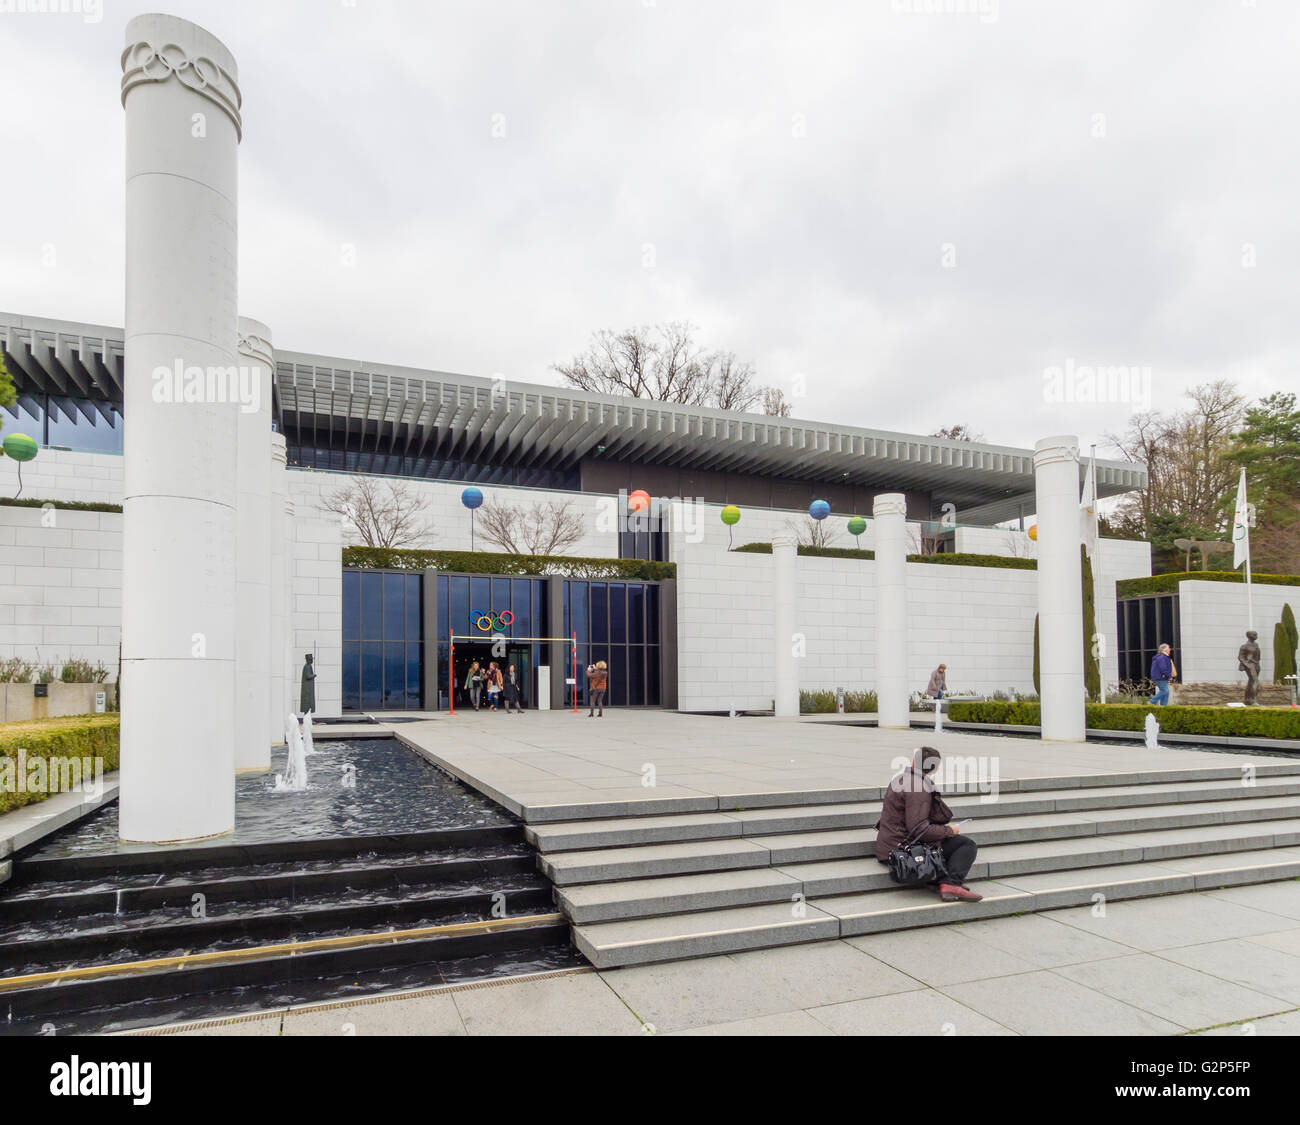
(911, 213)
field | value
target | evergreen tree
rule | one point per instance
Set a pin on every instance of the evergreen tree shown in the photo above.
(1038, 687)
(1091, 669)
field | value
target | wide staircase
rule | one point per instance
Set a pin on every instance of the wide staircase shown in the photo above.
(642, 889)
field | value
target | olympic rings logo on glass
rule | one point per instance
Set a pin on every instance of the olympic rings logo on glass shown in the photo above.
(492, 622)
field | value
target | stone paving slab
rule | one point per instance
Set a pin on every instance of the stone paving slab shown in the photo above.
(701, 761)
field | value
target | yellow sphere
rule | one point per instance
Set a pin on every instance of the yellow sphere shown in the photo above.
(1033, 532)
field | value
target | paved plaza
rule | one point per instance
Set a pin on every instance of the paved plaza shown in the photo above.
(552, 764)
(1222, 962)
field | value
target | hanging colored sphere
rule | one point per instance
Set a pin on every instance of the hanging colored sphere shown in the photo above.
(20, 447)
(471, 498)
(638, 501)
(857, 525)
(1033, 532)
(819, 509)
(731, 515)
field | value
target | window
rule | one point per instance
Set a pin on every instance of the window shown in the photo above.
(617, 622)
(383, 653)
(1142, 624)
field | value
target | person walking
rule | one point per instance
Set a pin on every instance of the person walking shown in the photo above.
(493, 684)
(474, 684)
(1162, 671)
(938, 682)
(512, 690)
(915, 812)
(599, 682)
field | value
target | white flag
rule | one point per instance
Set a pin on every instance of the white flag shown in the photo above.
(1088, 511)
(1241, 526)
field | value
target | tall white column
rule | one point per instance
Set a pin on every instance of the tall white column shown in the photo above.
(784, 556)
(278, 639)
(181, 96)
(289, 659)
(889, 513)
(253, 549)
(1060, 590)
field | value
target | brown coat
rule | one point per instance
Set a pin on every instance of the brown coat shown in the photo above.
(910, 801)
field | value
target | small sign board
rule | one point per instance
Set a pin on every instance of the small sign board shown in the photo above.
(569, 680)
(101, 701)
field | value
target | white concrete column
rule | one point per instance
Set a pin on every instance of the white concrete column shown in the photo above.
(253, 549)
(290, 661)
(786, 688)
(1060, 588)
(181, 96)
(278, 636)
(889, 514)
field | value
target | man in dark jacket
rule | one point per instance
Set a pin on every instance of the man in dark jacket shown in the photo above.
(1162, 671)
(914, 812)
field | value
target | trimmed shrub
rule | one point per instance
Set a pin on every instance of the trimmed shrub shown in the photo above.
(1232, 722)
(1091, 671)
(68, 505)
(950, 559)
(1038, 686)
(487, 562)
(823, 702)
(1283, 658)
(1168, 583)
(80, 736)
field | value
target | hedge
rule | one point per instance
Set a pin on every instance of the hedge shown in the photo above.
(69, 505)
(487, 562)
(1235, 722)
(78, 736)
(823, 702)
(1168, 583)
(948, 559)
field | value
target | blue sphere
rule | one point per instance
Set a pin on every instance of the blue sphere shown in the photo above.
(819, 509)
(471, 498)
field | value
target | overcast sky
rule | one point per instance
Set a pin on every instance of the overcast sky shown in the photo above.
(917, 212)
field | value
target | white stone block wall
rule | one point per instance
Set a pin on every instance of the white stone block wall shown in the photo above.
(317, 609)
(60, 585)
(56, 474)
(1115, 559)
(977, 620)
(1212, 620)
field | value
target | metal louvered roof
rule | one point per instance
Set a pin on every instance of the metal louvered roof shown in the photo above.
(436, 414)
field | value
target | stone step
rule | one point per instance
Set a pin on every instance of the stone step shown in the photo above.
(641, 898)
(610, 864)
(545, 812)
(641, 941)
(584, 835)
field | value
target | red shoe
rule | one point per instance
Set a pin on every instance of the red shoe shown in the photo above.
(954, 892)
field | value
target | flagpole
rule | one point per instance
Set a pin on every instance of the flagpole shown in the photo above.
(1250, 599)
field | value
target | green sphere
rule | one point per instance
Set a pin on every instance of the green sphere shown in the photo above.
(857, 525)
(731, 515)
(20, 447)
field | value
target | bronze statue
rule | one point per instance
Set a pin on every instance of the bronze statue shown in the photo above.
(307, 700)
(1248, 662)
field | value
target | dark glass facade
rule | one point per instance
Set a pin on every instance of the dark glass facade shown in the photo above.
(464, 601)
(1142, 624)
(361, 460)
(383, 653)
(617, 622)
(71, 423)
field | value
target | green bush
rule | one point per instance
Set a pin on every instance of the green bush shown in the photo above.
(1168, 583)
(1038, 686)
(823, 702)
(1091, 667)
(487, 562)
(950, 559)
(80, 736)
(1283, 655)
(68, 505)
(1232, 722)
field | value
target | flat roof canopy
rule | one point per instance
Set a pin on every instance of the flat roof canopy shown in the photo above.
(423, 413)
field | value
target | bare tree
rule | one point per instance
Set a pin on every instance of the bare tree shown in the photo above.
(1185, 458)
(959, 432)
(774, 403)
(548, 528)
(663, 363)
(384, 513)
(810, 532)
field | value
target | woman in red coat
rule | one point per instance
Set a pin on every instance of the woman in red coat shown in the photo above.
(914, 812)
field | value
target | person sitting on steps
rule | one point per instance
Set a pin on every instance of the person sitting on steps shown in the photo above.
(914, 811)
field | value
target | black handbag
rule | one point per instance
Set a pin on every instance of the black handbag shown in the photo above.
(912, 863)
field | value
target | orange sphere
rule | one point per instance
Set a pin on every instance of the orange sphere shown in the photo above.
(638, 501)
(1033, 532)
